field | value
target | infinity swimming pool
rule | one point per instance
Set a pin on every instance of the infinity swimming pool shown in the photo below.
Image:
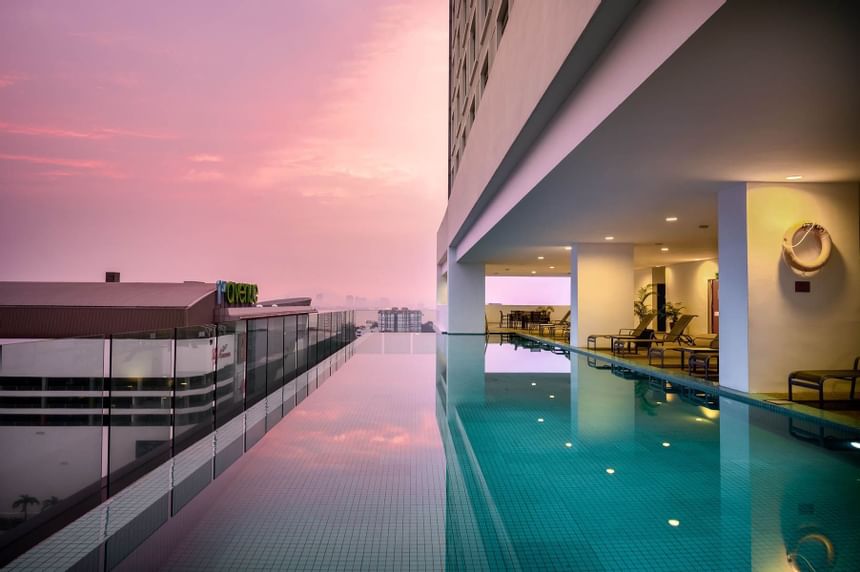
(429, 452)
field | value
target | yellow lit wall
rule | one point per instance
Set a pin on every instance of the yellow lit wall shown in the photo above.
(789, 330)
(687, 283)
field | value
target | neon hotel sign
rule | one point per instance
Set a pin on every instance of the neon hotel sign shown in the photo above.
(235, 293)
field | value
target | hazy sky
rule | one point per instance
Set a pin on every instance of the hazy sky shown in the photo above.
(300, 145)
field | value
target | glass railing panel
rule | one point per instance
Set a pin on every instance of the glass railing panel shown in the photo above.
(255, 387)
(194, 411)
(301, 357)
(230, 394)
(230, 372)
(301, 343)
(51, 433)
(275, 372)
(289, 363)
(313, 340)
(141, 399)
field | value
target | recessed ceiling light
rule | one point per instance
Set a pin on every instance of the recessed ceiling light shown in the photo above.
(608, 238)
(533, 384)
(552, 267)
(540, 257)
(855, 444)
(568, 445)
(552, 396)
(568, 248)
(794, 177)
(666, 444)
(610, 471)
(665, 249)
(674, 522)
(540, 419)
(534, 271)
(671, 218)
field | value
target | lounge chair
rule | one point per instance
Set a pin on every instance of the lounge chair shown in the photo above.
(701, 347)
(814, 379)
(623, 334)
(675, 337)
(553, 324)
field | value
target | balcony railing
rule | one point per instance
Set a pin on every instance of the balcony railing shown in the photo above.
(82, 419)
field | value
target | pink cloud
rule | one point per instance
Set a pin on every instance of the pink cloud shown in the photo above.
(196, 176)
(10, 79)
(204, 158)
(90, 167)
(73, 163)
(100, 133)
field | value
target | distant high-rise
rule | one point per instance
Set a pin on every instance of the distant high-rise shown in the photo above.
(400, 320)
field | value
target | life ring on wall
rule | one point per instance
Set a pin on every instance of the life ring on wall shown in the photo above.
(788, 246)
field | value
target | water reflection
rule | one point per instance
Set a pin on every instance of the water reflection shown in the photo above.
(622, 471)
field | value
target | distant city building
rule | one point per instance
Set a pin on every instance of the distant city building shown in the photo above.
(400, 320)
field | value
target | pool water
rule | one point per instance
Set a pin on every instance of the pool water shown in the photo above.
(429, 452)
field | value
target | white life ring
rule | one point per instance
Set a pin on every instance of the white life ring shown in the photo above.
(788, 246)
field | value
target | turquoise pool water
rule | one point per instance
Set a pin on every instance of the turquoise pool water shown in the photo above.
(451, 453)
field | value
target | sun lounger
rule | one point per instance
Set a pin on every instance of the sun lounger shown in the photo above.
(703, 347)
(814, 379)
(623, 334)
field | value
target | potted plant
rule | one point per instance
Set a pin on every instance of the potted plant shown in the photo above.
(640, 306)
(547, 310)
(673, 311)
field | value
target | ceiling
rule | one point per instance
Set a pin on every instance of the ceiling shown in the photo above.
(761, 92)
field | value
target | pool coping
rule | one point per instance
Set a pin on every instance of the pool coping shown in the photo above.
(796, 410)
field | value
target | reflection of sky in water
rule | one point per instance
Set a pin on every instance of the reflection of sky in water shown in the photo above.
(506, 358)
(526, 460)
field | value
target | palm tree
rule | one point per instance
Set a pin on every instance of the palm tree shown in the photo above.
(49, 502)
(25, 501)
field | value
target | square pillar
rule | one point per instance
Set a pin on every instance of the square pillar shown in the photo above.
(601, 289)
(466, 288)
(769, 324)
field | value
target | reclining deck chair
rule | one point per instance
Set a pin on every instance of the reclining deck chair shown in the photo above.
(676, 336)
(623, 333)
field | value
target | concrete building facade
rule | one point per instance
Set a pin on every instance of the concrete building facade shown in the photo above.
(626, 143)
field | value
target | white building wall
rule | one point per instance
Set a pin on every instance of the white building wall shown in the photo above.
(687, 283)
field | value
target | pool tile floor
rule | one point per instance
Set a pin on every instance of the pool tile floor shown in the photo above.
(353, 479)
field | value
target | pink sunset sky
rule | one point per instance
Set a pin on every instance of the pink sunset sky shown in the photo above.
(297, 145)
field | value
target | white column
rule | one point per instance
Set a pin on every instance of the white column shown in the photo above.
(601, 289)
(465, 296)
(734, 287)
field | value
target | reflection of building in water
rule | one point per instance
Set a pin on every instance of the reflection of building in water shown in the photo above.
(400, 320)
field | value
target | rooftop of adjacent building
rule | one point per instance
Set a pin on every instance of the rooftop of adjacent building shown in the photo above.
(104, 294)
